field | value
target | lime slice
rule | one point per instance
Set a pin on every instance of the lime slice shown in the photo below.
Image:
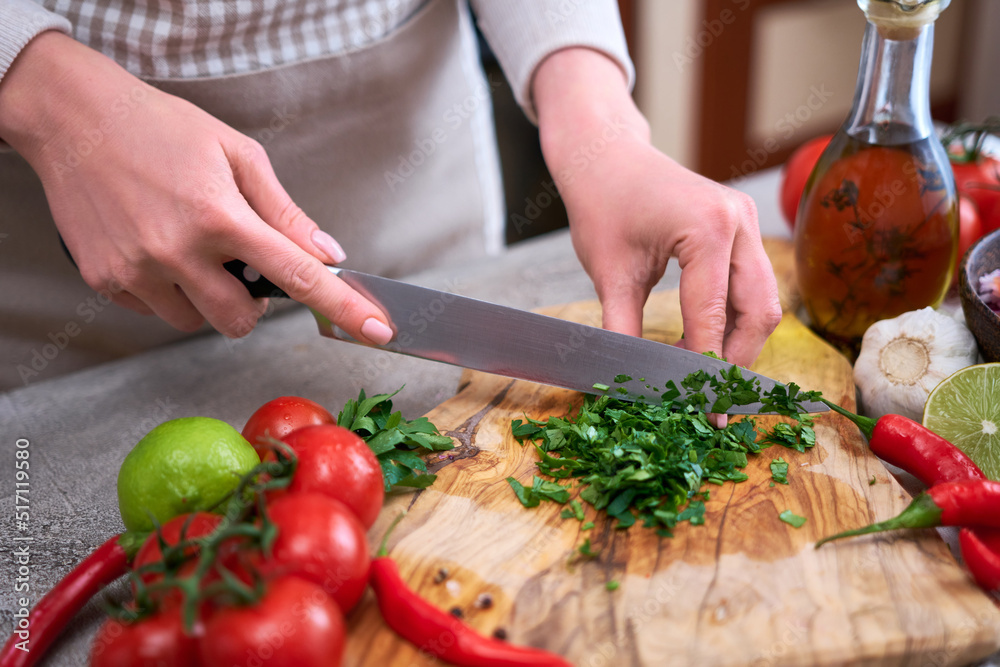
(183, 465)
(965, 409)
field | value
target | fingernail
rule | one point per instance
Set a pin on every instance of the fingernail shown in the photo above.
(720, 421)
(329, 246)
(376, 331)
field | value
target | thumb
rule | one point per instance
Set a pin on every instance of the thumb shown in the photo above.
(259, 185)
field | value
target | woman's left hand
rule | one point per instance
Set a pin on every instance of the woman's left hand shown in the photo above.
(631, 208)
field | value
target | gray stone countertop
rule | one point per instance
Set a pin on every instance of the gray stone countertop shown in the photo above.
(80, 426)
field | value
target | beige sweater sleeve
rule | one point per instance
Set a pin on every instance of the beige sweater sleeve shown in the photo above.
(20, 22)
(522, 33)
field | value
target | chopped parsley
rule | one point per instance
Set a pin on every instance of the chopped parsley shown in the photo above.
(575, 510)
(649, 461)
(792, 519)
(540, 489)
(779, 470)
(586, 551)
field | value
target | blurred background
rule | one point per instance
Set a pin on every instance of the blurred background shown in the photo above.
(731, 87)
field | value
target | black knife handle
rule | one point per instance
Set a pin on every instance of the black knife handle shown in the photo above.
(258, 286)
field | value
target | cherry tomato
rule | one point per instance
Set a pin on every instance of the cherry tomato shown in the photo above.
(279, 417)
(795, 173)
(970, 228)
(198, 524)
(980, 181)
(295, 624)
(336, 462)
(319, 539)
(155, 641)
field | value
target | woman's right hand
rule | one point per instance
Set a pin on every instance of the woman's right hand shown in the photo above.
(152, 196)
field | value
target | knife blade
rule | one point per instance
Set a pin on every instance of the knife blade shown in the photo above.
(483, 336)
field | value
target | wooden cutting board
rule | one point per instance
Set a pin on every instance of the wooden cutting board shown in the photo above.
(742, 589)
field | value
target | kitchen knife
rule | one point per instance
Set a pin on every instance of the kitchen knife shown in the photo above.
(475, 334)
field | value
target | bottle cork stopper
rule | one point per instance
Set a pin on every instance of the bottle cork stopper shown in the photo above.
(902, 19)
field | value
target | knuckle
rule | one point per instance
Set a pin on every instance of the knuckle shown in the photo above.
(120, 277)
(770, 318)
(291, 217)
(345, 307)
(250, 154)
(240, 325)
(712, 313)
(253, 151)
(302, 279)
(217, 225)
(733, 211)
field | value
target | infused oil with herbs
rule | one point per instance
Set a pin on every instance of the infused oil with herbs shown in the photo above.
(876, 230)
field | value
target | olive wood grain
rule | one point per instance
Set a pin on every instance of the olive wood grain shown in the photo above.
(742, 589)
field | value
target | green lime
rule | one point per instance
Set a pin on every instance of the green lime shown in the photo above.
(183, 465)
(965, 410)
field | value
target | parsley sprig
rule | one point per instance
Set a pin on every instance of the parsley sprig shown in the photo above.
(649, 462)
(397, 443)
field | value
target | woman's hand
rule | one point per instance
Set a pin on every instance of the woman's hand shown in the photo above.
(631, 209)
(152, 195)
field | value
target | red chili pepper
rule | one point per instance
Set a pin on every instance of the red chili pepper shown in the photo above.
(919, 451)
(971, 503)
(933, 460)
(981, 552)
(439, 633)
(47, 620)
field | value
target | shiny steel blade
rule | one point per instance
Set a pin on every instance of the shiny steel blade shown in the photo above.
(475, 334)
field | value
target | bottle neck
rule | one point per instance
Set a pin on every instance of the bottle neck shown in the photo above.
(892, 98)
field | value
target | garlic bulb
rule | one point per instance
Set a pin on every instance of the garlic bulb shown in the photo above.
(904, 358)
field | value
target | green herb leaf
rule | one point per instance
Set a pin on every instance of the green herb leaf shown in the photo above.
(525, 495)
(586, 551)
(542, 488)
(792, 519)
(779, 470)
(397, 443)
(611, 585)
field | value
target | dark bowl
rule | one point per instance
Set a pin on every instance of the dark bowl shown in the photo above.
(982, 258)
